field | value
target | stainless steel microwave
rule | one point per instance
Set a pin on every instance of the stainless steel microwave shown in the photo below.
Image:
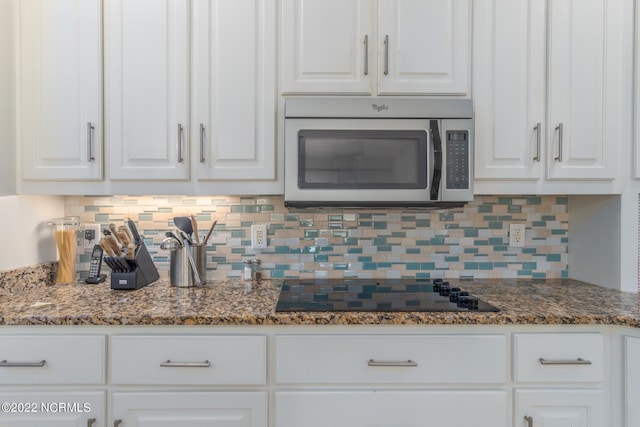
(378, 152)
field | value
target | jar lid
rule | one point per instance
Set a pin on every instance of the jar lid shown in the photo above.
(248, 261)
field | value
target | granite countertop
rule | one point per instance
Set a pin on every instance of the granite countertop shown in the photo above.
(234, 302)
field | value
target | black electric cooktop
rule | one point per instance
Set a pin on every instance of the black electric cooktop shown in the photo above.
(376, 295)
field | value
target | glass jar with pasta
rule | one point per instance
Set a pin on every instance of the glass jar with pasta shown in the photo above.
(65, 231)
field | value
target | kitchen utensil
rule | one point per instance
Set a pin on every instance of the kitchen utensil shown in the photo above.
(173, 236)
(131, 251)
(206, 239)
(134, 232)
(194, 267)
(180, 270)
(114, 233)
(123, 236)
(194, 225)
(125, 229)
(65, 234)
(170, 244)
(113, 243)
(184, 224)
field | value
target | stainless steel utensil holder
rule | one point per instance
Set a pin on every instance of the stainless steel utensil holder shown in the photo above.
(143, 272)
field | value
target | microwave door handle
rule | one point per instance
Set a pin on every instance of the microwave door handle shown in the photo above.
(437, 159)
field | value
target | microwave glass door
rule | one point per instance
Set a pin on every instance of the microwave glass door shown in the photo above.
(363, 159)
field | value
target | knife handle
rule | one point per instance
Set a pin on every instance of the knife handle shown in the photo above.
(134, 231)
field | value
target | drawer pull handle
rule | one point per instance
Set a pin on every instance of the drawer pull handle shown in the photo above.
(529, 420)
(40, 364)
(403, 363)
(170, 364)
(90, 422)
(578, 361)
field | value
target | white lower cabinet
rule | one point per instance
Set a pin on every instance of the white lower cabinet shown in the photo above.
(415, 408)
(632, 381)
(52, 409)
(189, 409)
(560, 408)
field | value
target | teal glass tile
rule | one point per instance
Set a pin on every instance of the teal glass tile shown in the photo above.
(505, 218)
(379, 225)
(335, 218)
(292, 217)
(408, 218)
(505, 200)
(423, 275)
(272, 227)
(277, 274)
(495, 225)
(539, 275)
(365, 258)
(369, 266)
(384, 248)
(325, 248)
(340, 233)
(237, 266)
(282, 249)
(500, 248)
(252, 209)
(534, 200)
(500, 264)
(485, 209)
(219, 258)
(481, 243)
(240, 250)
(529, 265)
(448, 216)
(496, 240)
(554, 257)
(102, 218)
(471, 232)
(564, 240)
(340, 266)
(524, 272)
(266, 208)
(311, 234)
(490, 218)
(321, 258)
(562, 200)
(350, 241)
(310, 249)
(470, 265)
(282, 266)
(91, 208)
(514, 209)
(452, 258)
(558, 232)
(379, 241)
(529, 250)
(355, 250)
(565, 274)
(400, 234)
(485, 265)
(423, 242)
(237, 209)
(413, 250)
(365, 224)
(548, 217)
(539, 224)
(470, 250)
(246, 224)
(365, 216)
(306, 223)
(427, 266)
(238, 233)
(439, 240)
(423, 223)
(451, 226)
(165, 210)
(413, 266)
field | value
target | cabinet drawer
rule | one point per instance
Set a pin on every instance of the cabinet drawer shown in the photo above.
(558, 357)
(343, 359)
(52, 359)
(419, 408)
(212, 360)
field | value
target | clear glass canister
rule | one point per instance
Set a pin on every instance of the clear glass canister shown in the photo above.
(65, 231)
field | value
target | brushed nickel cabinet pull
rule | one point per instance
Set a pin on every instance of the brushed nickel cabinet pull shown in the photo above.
(402, 363)
(578, 361)
(6, 364)
(180, 134)
(201, 143)
(90, 422)
(170, 364)
(538, 129)
(366, 55)
(386, 55)
(90, 128)
(116, 423)
(529, 420)
(560, 129)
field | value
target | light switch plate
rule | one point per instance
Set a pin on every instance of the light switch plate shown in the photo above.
(90, 235)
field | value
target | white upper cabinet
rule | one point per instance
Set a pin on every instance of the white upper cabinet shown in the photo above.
(549, 94)
(234, 96)
(369, 47)
(147, 88)
(60, 89)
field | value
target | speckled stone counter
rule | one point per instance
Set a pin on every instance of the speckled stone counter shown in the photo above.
(232, 302)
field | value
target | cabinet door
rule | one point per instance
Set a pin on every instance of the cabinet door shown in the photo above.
(423, 47)
(632, 382)
(147, 56)
(52, 409)
(585, 88)
(234, 89)
(391, 408)
(328, 46)
(509, 88)
(60, 91)
(191, 409)
(560, 408)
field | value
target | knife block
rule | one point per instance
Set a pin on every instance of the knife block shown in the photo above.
(143, 272)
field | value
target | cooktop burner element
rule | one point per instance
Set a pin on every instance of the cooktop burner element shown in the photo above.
(376, 295)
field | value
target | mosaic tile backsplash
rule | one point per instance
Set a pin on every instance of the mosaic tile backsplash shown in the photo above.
(469, 242)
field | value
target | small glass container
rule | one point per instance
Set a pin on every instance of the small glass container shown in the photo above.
(257, 271)
(248, 269)
(65, 231)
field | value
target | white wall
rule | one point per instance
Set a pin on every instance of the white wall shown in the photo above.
(7, 98)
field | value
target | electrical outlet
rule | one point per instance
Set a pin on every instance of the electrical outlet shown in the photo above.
(516, 235)
(258, 236)
(90, 235)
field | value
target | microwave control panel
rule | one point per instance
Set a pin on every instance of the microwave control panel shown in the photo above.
(457, 158)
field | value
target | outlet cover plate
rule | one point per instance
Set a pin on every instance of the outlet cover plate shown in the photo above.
(259, 236)
(90, 235)
(516, 235)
